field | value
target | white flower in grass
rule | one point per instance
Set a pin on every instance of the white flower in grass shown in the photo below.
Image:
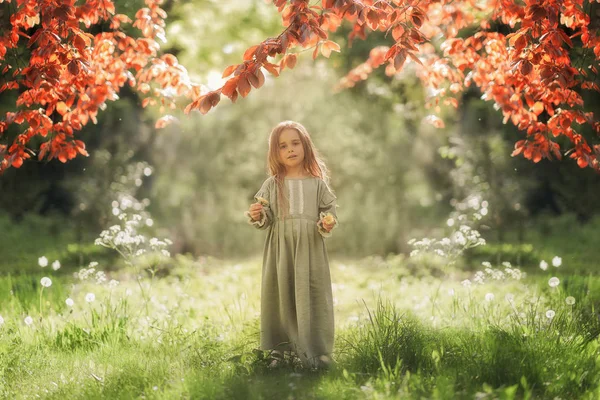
(46, 282)
(543, 265)
(570, 300)
(90, 297)
(550, 314)
(466, 283)
(489, 296)
(113, 283)
(28, 320)
(56, 265)
(450, 292)
(556, 261)
(70, 302)
(43, 262)
(553, 282)
(1, 320)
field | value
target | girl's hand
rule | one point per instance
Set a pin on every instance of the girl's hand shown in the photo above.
(328, 222)
(255, 211)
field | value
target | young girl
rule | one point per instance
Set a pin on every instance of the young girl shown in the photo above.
(297, 207)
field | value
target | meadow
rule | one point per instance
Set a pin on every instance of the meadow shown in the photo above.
(149, 324)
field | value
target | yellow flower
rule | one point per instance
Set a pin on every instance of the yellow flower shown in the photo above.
(328, 219)
(262, 201)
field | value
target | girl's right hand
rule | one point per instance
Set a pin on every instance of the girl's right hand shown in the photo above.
(255, 211)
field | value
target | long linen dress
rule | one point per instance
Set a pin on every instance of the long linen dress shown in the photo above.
(296, 296)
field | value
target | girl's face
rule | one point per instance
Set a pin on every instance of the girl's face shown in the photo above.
(291, 151)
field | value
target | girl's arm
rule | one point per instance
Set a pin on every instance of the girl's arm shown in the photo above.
(327, 212)
(262, 197)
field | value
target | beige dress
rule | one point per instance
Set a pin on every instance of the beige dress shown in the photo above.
(296, 298)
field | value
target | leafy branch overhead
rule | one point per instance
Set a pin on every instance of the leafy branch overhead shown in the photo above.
(535, 60)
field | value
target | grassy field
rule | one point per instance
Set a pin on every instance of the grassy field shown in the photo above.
(405, 328)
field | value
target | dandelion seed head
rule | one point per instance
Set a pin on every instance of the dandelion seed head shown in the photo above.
(1, 320)
(46, 282)
(543, 265)
(70, 302)
(489, 296)
(556, 261)
(553, 282)
(550, 314)
(90, 297)
(28, 320)
(56, 265)
(570, 300)
(43, 262)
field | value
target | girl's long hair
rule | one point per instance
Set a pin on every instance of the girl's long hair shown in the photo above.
(313, 162)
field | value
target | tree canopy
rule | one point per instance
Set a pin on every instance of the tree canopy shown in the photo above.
(536, 60)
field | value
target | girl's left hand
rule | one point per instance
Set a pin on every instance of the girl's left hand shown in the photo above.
(328, 222)
(328, 227)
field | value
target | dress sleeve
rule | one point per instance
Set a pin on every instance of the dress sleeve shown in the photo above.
(262, 196)
(327, 205)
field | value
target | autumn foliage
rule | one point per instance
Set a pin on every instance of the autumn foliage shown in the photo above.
(534, 59)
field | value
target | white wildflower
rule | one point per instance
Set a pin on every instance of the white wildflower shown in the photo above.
(70, 302)
(489, 296)
(543, 265)
(56, 265)
(113, 283)
(466, 283)
(90, 297)
(46, 282)
(1, 320)
(100, 277)
(28, 320)
(550, 314)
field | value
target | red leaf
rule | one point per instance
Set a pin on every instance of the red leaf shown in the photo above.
(272, 68)
(73, 67)
(249, 54)
(291, 61)
(328, 46)
(243, 85)
(538, 108)
(229, 70)
(399, 60)
(582, 162)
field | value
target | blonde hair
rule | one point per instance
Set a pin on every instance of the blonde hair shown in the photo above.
(313, 162)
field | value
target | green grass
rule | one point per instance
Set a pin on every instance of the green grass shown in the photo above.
(405, 327)
(396, 336)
